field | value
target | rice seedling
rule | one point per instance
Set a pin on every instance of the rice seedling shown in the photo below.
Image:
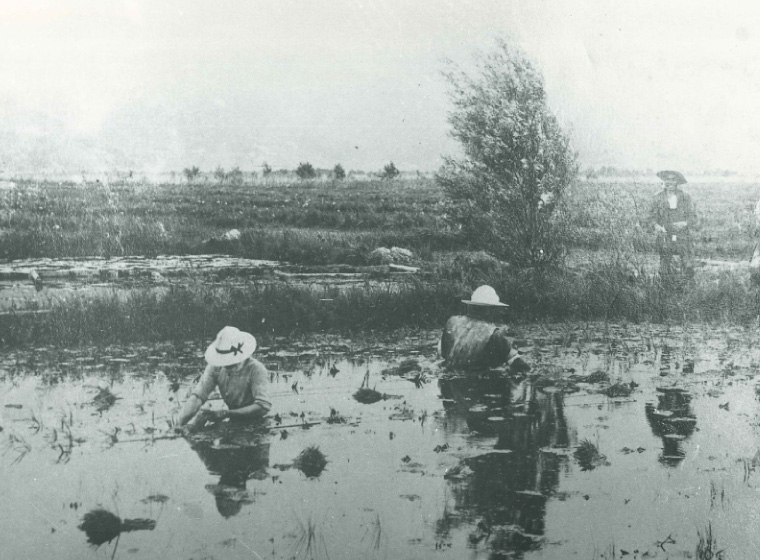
(707, 545)
(310, 545)
(104, 399)
(311, 462)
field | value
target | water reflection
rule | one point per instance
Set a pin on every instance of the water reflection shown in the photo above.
(502, 494)
(236, 456)
(673, 421)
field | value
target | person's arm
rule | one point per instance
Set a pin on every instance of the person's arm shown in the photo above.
(254, 410)
(198, 396)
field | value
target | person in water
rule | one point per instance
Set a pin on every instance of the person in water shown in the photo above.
(241, 379)
(476, 340)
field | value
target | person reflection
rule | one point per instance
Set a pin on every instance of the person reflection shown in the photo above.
(502, 494)
(673, 421)
(235, 463)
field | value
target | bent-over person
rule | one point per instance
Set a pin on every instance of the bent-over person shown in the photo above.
(241, 379)
(475, 341)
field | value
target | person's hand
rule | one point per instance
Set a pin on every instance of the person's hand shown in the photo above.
(217, 415)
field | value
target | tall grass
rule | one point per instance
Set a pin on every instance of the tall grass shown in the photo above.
(271, 310)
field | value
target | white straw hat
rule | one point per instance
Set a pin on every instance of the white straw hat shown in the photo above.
(231, 346)
(485, 296)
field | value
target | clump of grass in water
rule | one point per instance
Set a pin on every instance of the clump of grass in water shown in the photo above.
(365, 395)
(102, 526)
(588, 456)
(104, 400)
(707, 545)
(311, 462)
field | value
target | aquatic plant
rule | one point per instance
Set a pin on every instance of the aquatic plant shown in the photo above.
(102, 526)
(310, 545)
(588, 456)
(104, 400)
(311, 462)
(707, 545)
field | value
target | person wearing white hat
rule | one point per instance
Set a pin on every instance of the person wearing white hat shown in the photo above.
(674, 216)
(241, 379)
(474, 341)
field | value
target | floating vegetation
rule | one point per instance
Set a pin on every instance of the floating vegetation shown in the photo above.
(335, 417)
(311, 462)
(588, 456)
(619, 390)
(104, 400)
(156, 499)
(365, 395)
(102, 526)
(403, 368)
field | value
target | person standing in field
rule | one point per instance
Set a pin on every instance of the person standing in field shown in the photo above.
(241, 380)
(674, 218)
(479, 340)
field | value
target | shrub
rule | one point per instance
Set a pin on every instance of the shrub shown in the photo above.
(389, 172)
(219, 174)
(306, 170)
(339, 173)
(265, 169)
(517, 160)
(191, 173)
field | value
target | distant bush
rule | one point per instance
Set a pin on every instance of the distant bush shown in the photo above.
(265, 169)
(219, 174)
(306, 170)
(339, 173)
(190, 173)
(389, 172)
(235, 176)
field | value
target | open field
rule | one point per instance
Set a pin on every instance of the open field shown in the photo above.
(611, 272)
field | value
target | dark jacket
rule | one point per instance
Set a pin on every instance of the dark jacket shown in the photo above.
(474, 344)
(662, 214)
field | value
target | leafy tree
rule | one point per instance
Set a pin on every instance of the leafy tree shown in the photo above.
(191, 173)
(265, 169)
(389, 172)
(306, 171)
(517, 160)
(339, 173)
(219, 174)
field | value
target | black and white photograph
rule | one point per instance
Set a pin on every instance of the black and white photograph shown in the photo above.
(379, 279)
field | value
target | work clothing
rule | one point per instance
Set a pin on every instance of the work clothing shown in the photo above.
(239, 388)
(475, 344)
(675, 212)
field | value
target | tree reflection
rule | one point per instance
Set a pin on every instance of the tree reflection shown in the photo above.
(502, 494)
(673, 421)
(235, 455)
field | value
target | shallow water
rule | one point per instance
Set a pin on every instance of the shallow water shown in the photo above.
(445, 466)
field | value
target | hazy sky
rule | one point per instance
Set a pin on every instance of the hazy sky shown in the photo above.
(160, 85)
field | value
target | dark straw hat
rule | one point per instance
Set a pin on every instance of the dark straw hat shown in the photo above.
(672, 176)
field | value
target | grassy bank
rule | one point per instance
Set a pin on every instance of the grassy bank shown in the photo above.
(605, 292)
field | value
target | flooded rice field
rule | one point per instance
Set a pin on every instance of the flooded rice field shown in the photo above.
(623, 442)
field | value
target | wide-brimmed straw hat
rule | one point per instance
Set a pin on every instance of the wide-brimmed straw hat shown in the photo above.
(485, 296)
(674, 176)
(231, 347)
